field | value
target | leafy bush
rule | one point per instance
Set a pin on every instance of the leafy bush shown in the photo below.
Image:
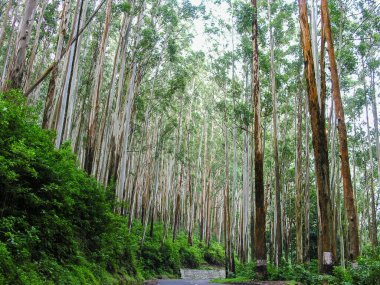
(214, 254)
(368, 270)
(190, 257)
(171, 257)
(55, 219)
(246, 270)
(342, 275)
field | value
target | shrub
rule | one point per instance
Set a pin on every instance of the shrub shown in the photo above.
(368, 270)
(190, 257)
(56, 219)
(214, 254)
(342, 275)
(246, 270)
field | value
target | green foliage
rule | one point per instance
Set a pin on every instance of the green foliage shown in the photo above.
(57, 224)
(125, 7)
(236, 280)
(342, 275)
(190, 257)
(214, 254)
(246, 270)
(368, 269)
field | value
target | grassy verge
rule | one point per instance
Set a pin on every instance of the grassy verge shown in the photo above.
(231, 280)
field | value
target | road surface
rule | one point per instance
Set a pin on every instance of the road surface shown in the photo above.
(184, 282)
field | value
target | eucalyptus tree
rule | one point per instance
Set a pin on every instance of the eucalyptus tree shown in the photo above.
(260, 247)
(277, 217)
(319, 143)
(349, 202)
(364, 31)
(18, 65)
(92, 122)
(4, 19)
(203, 141)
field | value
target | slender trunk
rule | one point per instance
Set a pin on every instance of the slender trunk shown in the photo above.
(92, 124)
(233, 199)
(226, 203)
(17, 69)
(9, 49)
(314, 46)
(74, 76)
(277, 189)
(106, 134)
(376, 127)
(259, 232)
(68, 76)
(120, 185)
(5, 22)
(178, 183)
(307, 194)
(373, 225)
(298, 180)
(32, 56)
(375, 121)
(48, 110)
(208, 209)
(204, 188)
(349, 202)
(340, 221)
(244, 229)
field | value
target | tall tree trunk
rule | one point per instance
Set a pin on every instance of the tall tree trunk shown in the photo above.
(349, 202)
(244, 229)
(5, 22)
(259, 232)
(75, 76)
(373, 224)
(314, 46)
(32, 56)
(319, 143)
(307, 190)
(277, 189)
(340, 221)
(8, 56)
(227, 208)
(375, 121)
(120, 185)
(49, 100)
(376, 125)
(204, 187)
(17, 69)
(298, 180)
(63, 102)
(92, 123)
(106, 134)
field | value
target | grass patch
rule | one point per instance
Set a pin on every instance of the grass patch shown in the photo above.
(231, 280)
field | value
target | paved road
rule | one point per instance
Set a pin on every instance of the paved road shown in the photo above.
(184, 282)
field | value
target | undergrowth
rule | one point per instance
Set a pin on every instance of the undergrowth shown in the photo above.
(57, 224)
(366, 272)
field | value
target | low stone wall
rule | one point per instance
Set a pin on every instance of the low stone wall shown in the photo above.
(195, 274)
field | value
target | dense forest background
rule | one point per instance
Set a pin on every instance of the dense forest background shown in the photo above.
(141, 136)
